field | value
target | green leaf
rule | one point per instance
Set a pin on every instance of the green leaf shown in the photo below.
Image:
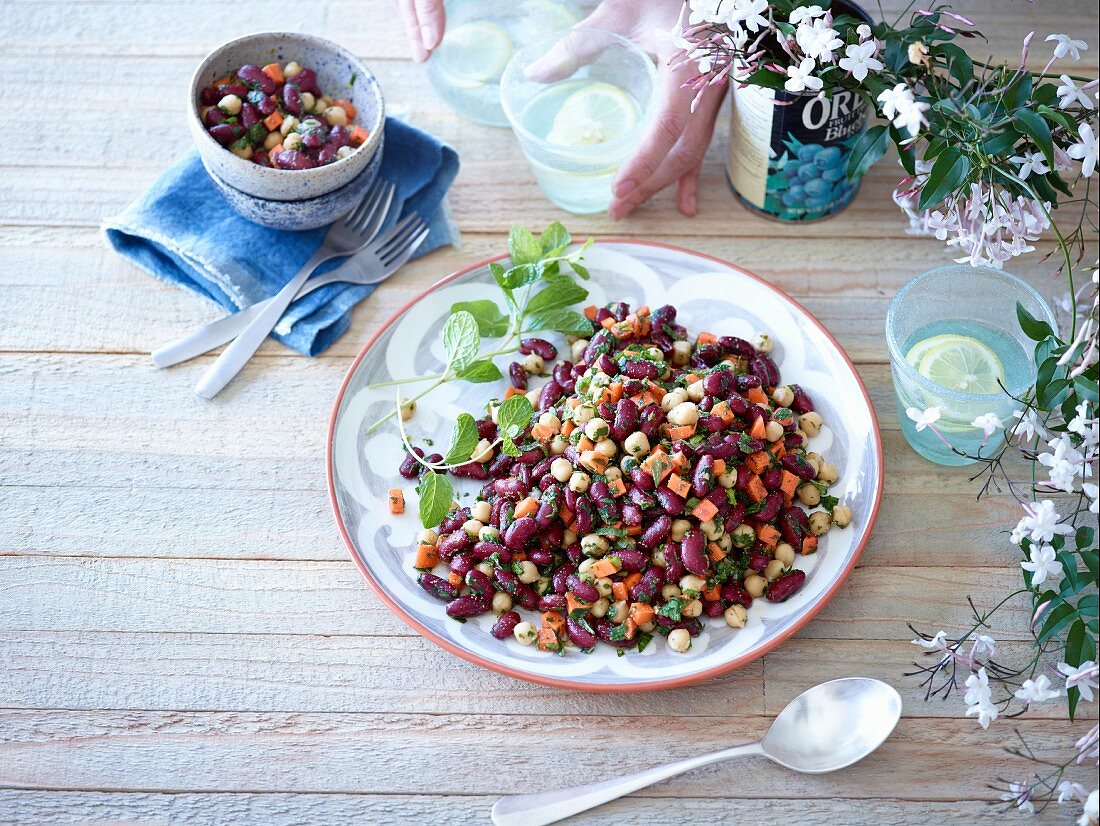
(566, 322)
(562, 291)
(436, 495)
(1048, 396)
(461, 340)
(1080, 646)
(522, 275)
(480, 371)
(947, 175)
(554, 237)
(523, 246)
(513, 417)
(491, 322)
(579, 270)
(1033, 328)
(870, 146)
(1084, 537)
(1033, 126)
(463, 440)
(1087, 389)
(905, 152)
(959, 64)
(1057, 619)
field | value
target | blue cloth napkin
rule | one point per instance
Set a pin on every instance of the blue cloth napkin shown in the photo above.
(183, 231)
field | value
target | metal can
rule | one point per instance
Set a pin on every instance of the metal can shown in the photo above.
(788, 153)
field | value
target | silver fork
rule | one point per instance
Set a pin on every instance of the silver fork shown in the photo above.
(372, 265)
(344, 238)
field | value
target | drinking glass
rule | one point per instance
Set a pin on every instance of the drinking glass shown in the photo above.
(578, 104)
(953, 331)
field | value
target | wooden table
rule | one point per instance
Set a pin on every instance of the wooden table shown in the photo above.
(182, 635)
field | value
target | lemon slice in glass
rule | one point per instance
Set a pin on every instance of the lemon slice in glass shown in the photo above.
(960, 363)
(474, 54)
(594, 114)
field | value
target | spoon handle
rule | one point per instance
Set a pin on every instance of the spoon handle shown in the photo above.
(549, 807)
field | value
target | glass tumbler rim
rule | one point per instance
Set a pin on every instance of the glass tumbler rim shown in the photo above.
(897, 357)
(554, 37)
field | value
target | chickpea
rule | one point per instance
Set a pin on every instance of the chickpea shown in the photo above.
(842, 516)
(647, 627)
(344, 151)
(485, 568)
(528, 572)
(820, 522)
(481, 511)
(427, 537)
(783, 396)
(291, 69)
(659, 559)
(735, 616)
(543, 585)
(764, 343)
(230, 105)
(594, 545)
(677, 395)
(810, 423)
(744, 536)
(272, 140)
(711, 529)
(636, 444)
(534, 364)
(603, 585)
(558, 445)
(772, 570)
(579, 481)
(489, 533)
(670, 591)
(815, 461)
(679, 528)
(408, 408)
(828, 473)
(525, 633)
(292, 141)
(583, 414)
(561, 469)
(808, 494)
(681, 353)
(577, 349)
(483, 452)
(308, 102)
(612, 473)
(501, 602)
(607, 447)
(472, 526)
(619, 612)
(773, 431)
(533, 396)
(600, 608)
(568, 537)
(784, 552)
(691, 582)
(755, 585)
(685, 413)
(727, 479)
(586, 566)
(243, 151)
(289, 124)
(696, 391)
(692, 609)
(679, 640)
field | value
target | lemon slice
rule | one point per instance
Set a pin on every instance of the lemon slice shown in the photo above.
(960, 363)
(594, 114)
(474, 54)
(545, 16)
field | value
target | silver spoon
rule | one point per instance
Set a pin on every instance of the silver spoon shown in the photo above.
(823, 729)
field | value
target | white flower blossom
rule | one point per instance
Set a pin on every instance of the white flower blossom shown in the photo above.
(1085, 426)
(1083, 677)
(1086, 150)
(801, 77)
(939, 641)
(804, 13)
(1066, 45)
(1064, 464)
(1031, 162)
(859, 59)
(979, 698)
(1041, 522)
(1088, 745)
(1068, 790)
(1030, 427)
(1070, 93)
(988, 423)
(984, 646)
(1037, 690)
(1090, 814)
(1043, 563)
(925, 418)
(863, 31)
(817, 40)
(1020, 795)
(900, 107)
(1092, 492)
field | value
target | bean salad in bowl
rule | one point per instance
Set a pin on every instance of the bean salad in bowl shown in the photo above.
(656, 479)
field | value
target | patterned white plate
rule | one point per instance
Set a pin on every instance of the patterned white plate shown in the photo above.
(710, 295)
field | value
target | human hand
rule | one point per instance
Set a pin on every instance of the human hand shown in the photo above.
(424, 22)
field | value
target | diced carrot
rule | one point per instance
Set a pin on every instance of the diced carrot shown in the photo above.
(759, 461)
(427, 556)
(634, 530)
(680, 461)
(809, 544)
(768, 535)
(567, 427)
(757, 396)
(455, 578)
(642, 311)
(573, 402)
(706, 338)
(608, 322)
(684, 431)
(681, 487)
(273, 121)
(777, 450)
(714, 551)
(618, 590)
(641, 613)
(526, 507)
(275, 150)
(359, 135)
(542, 432)
(512, 391)
(397, 500)
(617, 487)
(713, 593)
(632, 580)
(656, 391)
(784, 420)
(548, 640)
(348, 107)
(605, 567)
(722, 411)
(518, 556)
(554, 621)
(705, 510)
(221, 81)
(631, 628)
(566, 516)
(658, 465)
(616, 390)
(595, 461)
(719, 467)
(789, 484)
(691, 378)
(590, 312)
(585, 444)
(757, 430)
(755, 489)
(575, 603)
(274, 71)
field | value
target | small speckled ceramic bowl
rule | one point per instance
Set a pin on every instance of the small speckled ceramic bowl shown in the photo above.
(339, 73)
(305, 214)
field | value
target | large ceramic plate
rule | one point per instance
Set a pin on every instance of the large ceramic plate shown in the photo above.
(710, 295)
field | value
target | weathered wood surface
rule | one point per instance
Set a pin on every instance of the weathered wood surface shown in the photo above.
(182, 638)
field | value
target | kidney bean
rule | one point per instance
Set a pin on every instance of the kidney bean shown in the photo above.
(292, 99)
(605, 630)
(772, 505)
(693, 553)
(526, 597)
(563, 375)
(517, 375)
(307, 82)
(739, 405)
(213, 116)
(233, 88)
(600, 492)
(560, 580)
(639, 368)
(530, 457)
(798, 466)
(713, 608)
(702, 481)
(574, 553)
(606, 411)
(462, 562)
(706, 355)
(792, 441)
(546, 481)
(579, 634)
(652, 536)
(452, 543)
(552, 602)
(630, 559)
(507, 581)
(734, 593)
(734, 517)
(570, 497)
(542, 467)
(632, 514)
(504, 626)
(665, 314)
(743, 477)
(471, 470)
(292, 159)
(641, 479)
(327, 154)
(339, 136)
(640, 498)
(226, 133)
(718, 382)
(605, 365)
(601, 342)
(551, 536)
(582, 589)
(550, 394)
(254, 76)
(541, 347)
(712, 424)
(662, 342)
(500, 465)
(746, 381)
(790, 528)
(721, 450)
(467, 606)
(209, 96)
(735, 346)
(453, 520)
(583, 515)
(772, 478)
(802, 402)
(519, 533)
(758, 560)
(264, 103)
(706, 403)
(626, 417)
(670, 502)
(646, 589)
(510, 488)
(546, 514)
(649, 420)
(437, 586)
(433, 458)
(785, 586)
(541, 556)
(479, 583)
(674, 563)
(763, 366)
(410, 468)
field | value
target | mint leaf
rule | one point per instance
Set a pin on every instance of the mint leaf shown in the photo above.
(436, 495)
(479, 372)
(523, 246)
(554, 238)
(461, 340)
(463, 440)
(561, 291)
(514, 415)
(491, 322)
(566, 322)
(521, 275)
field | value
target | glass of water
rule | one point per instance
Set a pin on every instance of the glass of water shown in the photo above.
(955, 345)
(578, 104)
